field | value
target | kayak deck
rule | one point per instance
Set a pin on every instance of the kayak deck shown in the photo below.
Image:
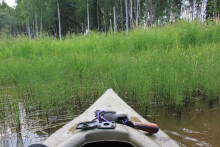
(69, 136)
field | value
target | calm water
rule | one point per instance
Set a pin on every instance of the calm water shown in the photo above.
(198, 125)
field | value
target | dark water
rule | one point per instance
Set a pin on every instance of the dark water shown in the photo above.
(198, 124)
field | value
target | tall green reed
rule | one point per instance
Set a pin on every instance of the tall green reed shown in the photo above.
(162, 65)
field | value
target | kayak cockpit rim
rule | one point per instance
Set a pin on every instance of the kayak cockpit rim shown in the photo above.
(68, 136)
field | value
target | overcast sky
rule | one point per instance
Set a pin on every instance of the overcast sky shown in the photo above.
(11, 3)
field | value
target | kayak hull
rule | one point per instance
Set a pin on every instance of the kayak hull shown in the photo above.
(69, 136)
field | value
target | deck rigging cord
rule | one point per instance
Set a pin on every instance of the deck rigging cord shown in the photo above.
(108, 119)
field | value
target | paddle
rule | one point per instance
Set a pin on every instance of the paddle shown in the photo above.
(148, 127)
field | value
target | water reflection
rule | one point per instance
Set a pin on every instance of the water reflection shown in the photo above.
(32, 128)
(198, 124)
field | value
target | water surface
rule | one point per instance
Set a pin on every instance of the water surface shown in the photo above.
(198, 124)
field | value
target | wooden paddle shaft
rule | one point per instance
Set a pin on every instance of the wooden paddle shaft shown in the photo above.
(148, 127)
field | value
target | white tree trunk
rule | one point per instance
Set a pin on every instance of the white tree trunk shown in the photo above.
(110, 25)
(59, 19)
(115, 26)
(126, 11)
(121, 15)
(26, 26)
(203, 10)
(131, 16)
(146, 13)
(137, 13)
(41, 24)
(151, 13)
(33, 30)
(168, 11)
(88, 14)
(194, 9)
(36, 25)
(28, 23)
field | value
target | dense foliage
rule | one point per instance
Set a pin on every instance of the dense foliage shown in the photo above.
(33, 17)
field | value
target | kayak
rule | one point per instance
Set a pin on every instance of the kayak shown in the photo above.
(117, 134)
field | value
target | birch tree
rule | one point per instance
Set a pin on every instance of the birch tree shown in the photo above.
(36, 24)
(194, 9)
(168, 11)
(131, 13)
(41, 23)
(121, 15)
(88, 15)
(137, 12)
(146, 12)
(35, 16)
(126, 11)
(151, 13)
(28, 21)
(59, 19)
(41, 19)
(115, 26)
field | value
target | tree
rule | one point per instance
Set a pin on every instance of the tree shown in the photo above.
(28, 21)
(126, 11)
(36, 22)
(151, 13)
(121, 5)
(6, 19)
(58, 8)
(88, 14)
(194, 9)
(213, 8)
(75, 16)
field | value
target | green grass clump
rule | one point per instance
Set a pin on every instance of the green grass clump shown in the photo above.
(165, 65)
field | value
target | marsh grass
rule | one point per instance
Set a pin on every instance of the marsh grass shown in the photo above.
(162, 65)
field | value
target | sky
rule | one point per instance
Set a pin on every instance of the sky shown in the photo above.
(10, 3)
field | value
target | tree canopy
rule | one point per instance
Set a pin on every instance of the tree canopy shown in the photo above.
(33, 17)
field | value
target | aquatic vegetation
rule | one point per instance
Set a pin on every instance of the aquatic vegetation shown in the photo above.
(165, 65)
